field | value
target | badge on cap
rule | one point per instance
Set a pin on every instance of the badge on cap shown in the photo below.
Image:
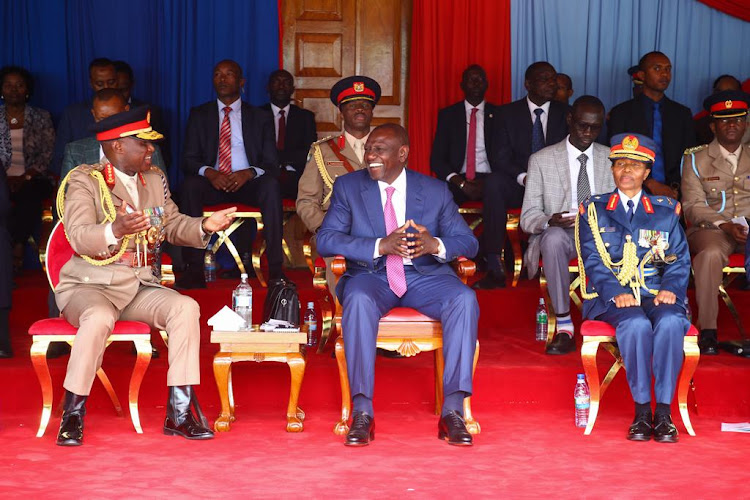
(359, 86)
(728, 104)
(630, 142)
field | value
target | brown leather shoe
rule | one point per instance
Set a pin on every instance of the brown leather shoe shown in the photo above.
(362, 430)
(452, 428)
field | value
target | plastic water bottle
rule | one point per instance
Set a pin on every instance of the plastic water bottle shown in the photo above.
(582, 400)
(242, 302)
(209, 266)
(541, 321)
(312, 325)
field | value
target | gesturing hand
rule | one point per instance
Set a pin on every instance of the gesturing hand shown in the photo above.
(625, 300)
(422, 242)
(665, 297)
(395, 243)
(220, 220)
(129, 223)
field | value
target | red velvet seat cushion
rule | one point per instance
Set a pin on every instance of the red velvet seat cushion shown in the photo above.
(405, 314)
(59, 326)
(166, 259)
(319, 262)
(737, 260)
(593, 328)
(514, 211)
(288, 203)
(241, 207)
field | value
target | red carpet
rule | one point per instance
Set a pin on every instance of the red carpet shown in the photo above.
(523, 400)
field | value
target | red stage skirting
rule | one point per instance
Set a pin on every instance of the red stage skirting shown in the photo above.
(523, 401)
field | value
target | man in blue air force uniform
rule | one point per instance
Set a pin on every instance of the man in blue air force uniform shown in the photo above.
(634, 254)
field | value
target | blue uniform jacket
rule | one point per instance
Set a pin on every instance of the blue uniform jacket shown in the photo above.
(355, 220)
(655, 213)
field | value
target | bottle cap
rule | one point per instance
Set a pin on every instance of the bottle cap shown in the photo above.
(243, 276)
(581, 376)
(311, 304)
(541, 300)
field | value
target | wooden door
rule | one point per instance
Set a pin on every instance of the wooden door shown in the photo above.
(326, 40)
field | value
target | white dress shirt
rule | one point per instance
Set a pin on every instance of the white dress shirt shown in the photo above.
(543, 118)
(575, 167)
(398, 200)
(358, 145)
(624, 200)
(239, 158)
(482, 164)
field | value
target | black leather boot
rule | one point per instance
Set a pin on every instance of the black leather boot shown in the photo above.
(180, 420)
(71, 425)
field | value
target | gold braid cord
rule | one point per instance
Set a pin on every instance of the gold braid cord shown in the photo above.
(628, 267)
(327, 180)
(108, 207)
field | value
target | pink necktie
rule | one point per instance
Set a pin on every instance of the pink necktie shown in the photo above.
(394, 264)
(225, 144)
(471, 147)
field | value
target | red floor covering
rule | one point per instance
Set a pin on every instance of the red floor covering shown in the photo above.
(523, 400)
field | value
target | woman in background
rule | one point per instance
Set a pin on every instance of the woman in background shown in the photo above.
(27, 139)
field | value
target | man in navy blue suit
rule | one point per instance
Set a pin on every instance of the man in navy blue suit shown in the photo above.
(636, 266)
(398, 230)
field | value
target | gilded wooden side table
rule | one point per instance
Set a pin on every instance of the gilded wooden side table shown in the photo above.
(258, 346)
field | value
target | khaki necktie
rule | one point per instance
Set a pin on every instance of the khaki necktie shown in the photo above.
(732, 160)
(359, 150)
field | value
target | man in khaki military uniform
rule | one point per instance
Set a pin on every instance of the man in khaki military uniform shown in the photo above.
(116, 213)
(356, 97)
(716, 196)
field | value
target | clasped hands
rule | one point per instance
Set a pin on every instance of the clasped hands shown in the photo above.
(136, 221)
(230, 182)
(627, 300)
(409, 245)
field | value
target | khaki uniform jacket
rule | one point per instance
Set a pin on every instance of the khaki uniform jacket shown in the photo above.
(711, 193)
(83, 215)
(314, 191)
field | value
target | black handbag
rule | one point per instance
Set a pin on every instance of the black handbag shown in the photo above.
(282, 302)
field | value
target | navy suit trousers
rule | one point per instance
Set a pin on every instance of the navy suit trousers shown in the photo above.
(651, 340)
(367, 297)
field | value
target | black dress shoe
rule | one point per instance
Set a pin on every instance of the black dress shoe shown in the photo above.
(561, 344)
(362, 430)
(495, 278)
(180, 420)
(708, 343)
(6, 353)
(664, 429)
(452, 428)
(57, 349)
(641, 429)
(189, 280)
(71, 425)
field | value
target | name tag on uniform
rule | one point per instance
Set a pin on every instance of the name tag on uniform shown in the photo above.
(709, 179)
(607, 230)
(335, 163)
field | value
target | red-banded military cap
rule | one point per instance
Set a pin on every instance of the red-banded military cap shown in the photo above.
(353, 88)
(634, 146)
(727, 104)
(133, 123)
(633, 72)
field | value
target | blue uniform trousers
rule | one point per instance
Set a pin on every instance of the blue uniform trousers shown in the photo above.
(367, 297)
(651, 340)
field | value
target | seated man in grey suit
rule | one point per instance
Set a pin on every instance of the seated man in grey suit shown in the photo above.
(106, 102)
(560, 176)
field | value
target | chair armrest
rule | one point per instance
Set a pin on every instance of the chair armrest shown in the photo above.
(465, 268)
(338, 266)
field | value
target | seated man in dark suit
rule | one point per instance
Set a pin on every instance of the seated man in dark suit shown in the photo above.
(462, 148)
(107, 102)
(229, 156)
(295, 131)
(76, 119)
(398, 229)
(635, 266)
(654, 115)
(522, 127)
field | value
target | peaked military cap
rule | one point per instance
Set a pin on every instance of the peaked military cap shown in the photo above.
(353, 88)
(133, 123)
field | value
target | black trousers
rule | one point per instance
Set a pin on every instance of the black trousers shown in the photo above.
(263, 192)
(499, 194)
(26, 208)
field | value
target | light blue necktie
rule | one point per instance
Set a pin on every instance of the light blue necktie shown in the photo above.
(658, 172)
(537, 132)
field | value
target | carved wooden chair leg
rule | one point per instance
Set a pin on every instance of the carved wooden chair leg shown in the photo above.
(222, 365)
(39, 360)
(589, 349)
(143, 348)
(692, 356)
(342, 427)
(294, 414)
(326, 317)
(439, 371)
(472, 425)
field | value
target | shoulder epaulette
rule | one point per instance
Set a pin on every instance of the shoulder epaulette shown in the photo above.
(695, 149)
(321, 141)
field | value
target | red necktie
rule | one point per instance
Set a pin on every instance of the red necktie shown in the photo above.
(282, 131)
(471, 146)
(394, 264)
(225, 144)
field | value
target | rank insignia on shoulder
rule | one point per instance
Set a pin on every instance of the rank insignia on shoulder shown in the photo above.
(613, 200)
(581, 210)
(647, 207)
(695, 149)
(598, 197)
(678, 208)
(109, 175)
